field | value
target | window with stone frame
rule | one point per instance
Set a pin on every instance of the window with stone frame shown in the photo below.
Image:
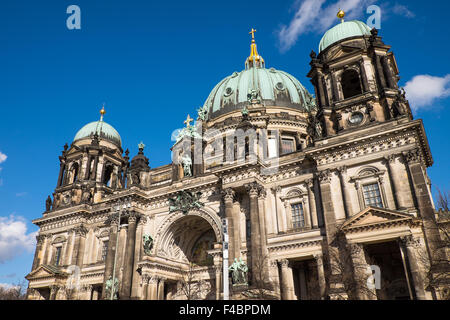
(351, 83)
(58, 255)
(298, 216)
(287, 145)
(369, 184)
(272, 146)
(372, 195)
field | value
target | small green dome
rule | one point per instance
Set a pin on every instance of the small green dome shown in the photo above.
(103, 129)
(343, 31)
(274, 87)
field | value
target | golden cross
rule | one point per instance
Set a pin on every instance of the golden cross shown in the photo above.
(188, 121)
(252, 33)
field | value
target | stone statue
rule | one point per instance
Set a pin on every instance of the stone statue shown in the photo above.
(187, 163)
(319, 129)
(86, 196)
(147, 243)
(202, 113)
(48, 204)
(185, 201)
(239, 271)
(245, 112)
(110, 286)
(252, 96)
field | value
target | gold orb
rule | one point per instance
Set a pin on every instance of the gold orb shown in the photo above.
(341, 14)
(102, 111)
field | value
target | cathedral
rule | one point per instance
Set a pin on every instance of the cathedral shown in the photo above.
(272, 193)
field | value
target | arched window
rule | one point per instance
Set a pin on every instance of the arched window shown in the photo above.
(108, 175)
(351, 84)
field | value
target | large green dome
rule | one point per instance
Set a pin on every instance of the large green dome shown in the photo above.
(275, 88)
(103, 129)
(344, 30)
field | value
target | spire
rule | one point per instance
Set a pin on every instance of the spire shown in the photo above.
(254, 60)
(102, 112)
(341, 15)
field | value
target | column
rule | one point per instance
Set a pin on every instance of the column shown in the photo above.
(360, 271)
(365, 82)
(37, 254)
(380, 73)
(53, 292)
(144, 283)
(327, 203)
(45, 251)
(218, 272)
(161, 284)
(320, 275)
(334, 87)
(62, 167)
(309, 184)
(408, 245)
(389, 74)
(255, 236)
(287, 282)
(109, 263)
(127, 276)
(228, 196)
(137, 256)
(152, 289)
(321, 89)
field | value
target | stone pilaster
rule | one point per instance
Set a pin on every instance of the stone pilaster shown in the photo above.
(341, 171)
(144, 284)
(80, 235)
(388, 160)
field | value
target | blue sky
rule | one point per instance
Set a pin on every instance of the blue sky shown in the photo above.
(153, 62)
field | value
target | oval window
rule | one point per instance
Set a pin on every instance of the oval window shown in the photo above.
(356, 118)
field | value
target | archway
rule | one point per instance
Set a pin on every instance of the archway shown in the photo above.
(184, 240)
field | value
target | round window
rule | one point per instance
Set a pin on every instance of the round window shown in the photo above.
(228, 91)
(280, 86)
(356, 118)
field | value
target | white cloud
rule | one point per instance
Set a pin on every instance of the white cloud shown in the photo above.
(316, 16)
(402, 10)
(311, 17)
(2, 157)
(14, 239)
(423, 90)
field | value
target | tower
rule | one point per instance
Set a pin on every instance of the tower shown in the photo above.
(91, 167)
(355, 77)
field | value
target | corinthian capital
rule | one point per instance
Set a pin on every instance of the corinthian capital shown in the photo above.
(253, 188)
(81, 231)
(228, 194)
(409, 241)
(412, 156)
(324, 176)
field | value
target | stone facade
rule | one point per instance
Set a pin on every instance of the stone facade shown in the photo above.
(348, 193)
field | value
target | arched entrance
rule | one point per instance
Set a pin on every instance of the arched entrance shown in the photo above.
(184, 240)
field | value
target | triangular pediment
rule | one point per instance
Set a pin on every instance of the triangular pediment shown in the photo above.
(373, 216)
(341, 51)
(46, 271)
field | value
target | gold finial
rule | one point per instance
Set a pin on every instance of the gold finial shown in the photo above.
(254, 59)
(102, 112)
(188, 121)
(341, 15)
(253, 34)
